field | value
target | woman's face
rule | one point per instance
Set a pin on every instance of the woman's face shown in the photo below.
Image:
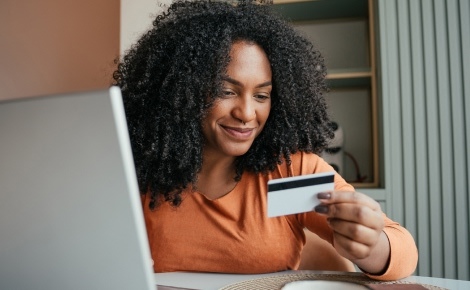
(239, 115)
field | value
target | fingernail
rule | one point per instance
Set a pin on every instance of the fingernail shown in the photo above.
(324, 195)
(321, 208)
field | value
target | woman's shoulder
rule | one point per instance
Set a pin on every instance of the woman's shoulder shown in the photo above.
(307, 163)
(301, 163)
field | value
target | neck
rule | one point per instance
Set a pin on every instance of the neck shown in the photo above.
(216, 177)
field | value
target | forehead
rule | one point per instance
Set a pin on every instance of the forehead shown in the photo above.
(246, 57)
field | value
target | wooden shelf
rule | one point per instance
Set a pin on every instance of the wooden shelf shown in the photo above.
(296, 10)
(349, 78)
(349, 73)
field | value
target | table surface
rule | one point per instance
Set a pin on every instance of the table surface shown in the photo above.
(212, 281)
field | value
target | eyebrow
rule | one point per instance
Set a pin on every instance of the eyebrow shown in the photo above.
(237, 83)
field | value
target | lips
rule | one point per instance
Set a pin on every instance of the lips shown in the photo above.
(238, 133)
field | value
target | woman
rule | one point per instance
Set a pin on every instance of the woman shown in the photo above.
(220, 98)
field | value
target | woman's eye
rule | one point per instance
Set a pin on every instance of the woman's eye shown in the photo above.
(227, 93)
(262, 97)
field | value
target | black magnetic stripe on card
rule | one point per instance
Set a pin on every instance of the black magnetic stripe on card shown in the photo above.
(301, 183)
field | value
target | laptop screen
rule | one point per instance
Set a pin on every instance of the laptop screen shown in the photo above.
(70, 211)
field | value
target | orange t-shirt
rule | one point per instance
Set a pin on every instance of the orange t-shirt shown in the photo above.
(233, 234)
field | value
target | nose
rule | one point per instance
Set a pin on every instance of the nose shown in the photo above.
(244, 110)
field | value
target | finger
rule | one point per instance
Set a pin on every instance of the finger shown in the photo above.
(349, 248)
(360, 214)
(348, 197)
(355, 232)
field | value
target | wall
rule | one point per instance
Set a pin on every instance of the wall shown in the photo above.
(137, 17)
(56, 46)
(425, 72)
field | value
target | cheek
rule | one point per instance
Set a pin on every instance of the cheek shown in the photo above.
(263, 118)
(219, 109)
(263, 113)
(210, 116)
(215, 113)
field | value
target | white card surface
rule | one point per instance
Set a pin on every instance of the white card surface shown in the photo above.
(297, 194)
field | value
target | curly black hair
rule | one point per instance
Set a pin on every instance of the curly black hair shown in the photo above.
(172, 75)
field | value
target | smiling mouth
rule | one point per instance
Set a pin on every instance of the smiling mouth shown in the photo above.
(238, 133)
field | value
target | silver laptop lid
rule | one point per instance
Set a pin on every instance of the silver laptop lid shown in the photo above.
(70, 211)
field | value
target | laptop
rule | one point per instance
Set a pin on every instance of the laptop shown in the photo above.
(70, 210)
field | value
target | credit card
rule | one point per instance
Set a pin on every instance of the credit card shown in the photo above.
(297, 194)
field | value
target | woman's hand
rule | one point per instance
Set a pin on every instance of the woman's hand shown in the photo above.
(357, 222)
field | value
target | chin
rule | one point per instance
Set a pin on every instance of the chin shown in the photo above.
(239, 153)
(236, 152)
